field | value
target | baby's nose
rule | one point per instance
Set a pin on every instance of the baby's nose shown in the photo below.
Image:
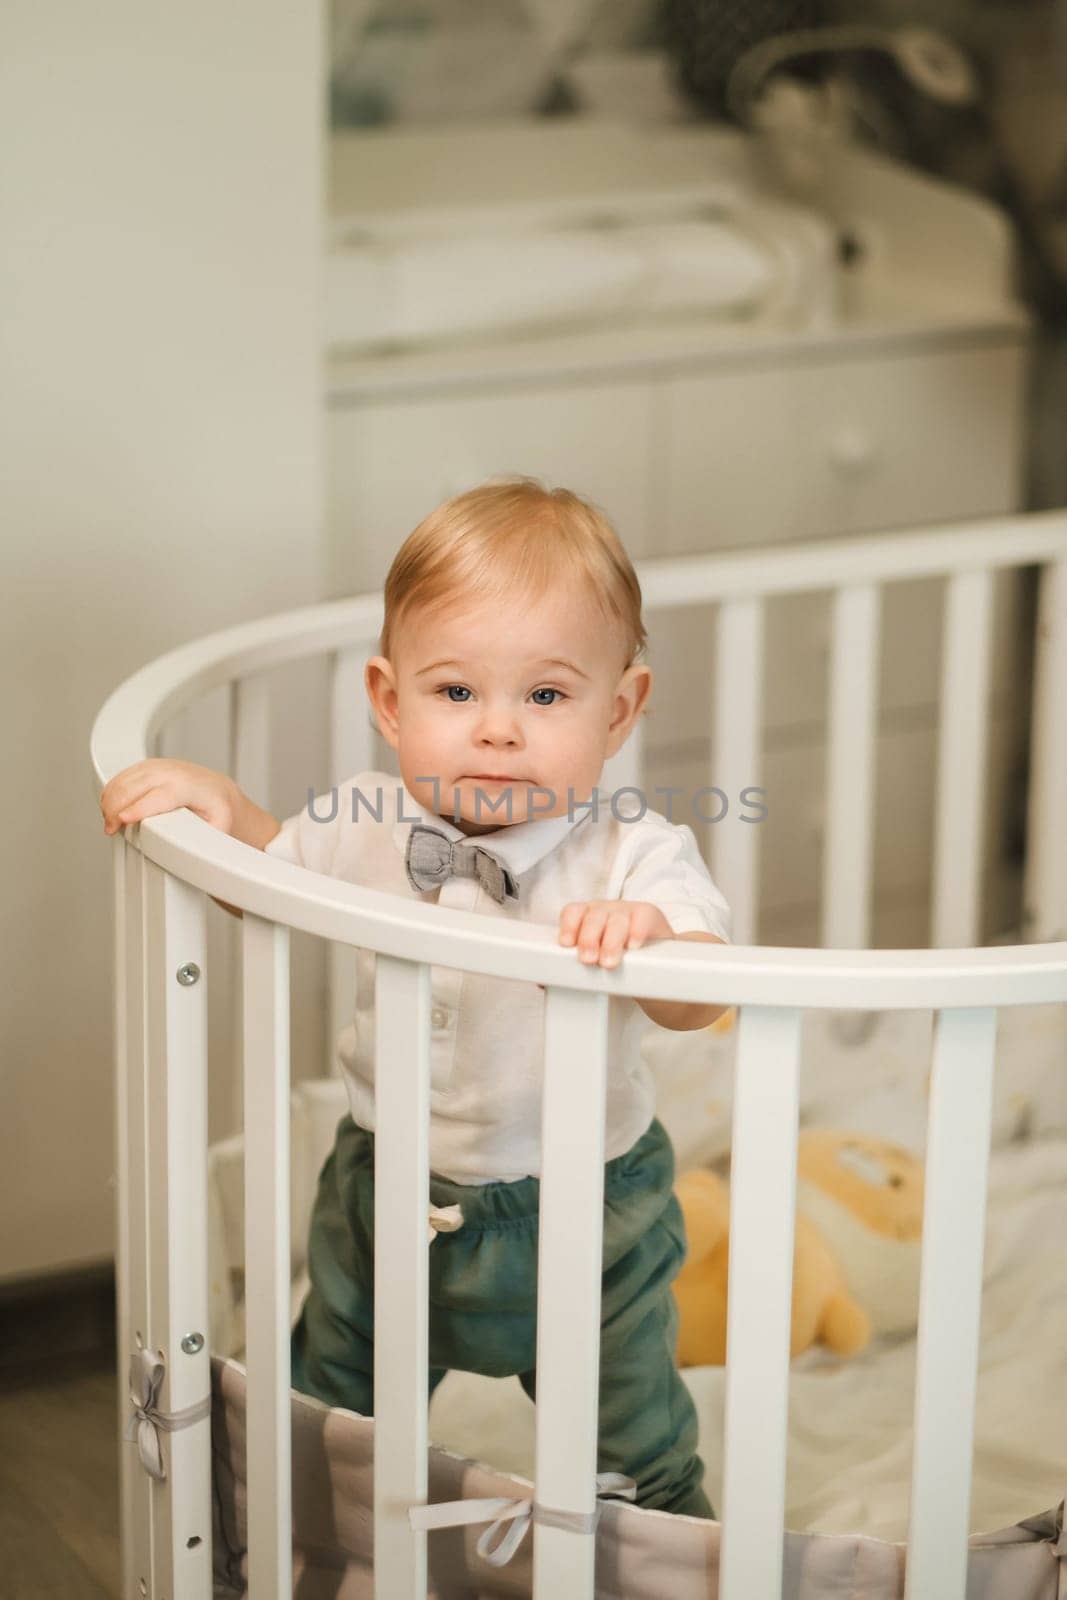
(499, 727)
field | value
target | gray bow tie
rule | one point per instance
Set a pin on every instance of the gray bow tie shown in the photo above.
(432, 856)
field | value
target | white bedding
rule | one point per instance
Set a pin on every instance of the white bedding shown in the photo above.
(387, 292)
(850, 1421)
(865, 1072)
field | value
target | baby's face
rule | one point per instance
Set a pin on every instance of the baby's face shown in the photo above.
(520, 696)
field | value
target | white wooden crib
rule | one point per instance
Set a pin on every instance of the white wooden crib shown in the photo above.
(164, 871)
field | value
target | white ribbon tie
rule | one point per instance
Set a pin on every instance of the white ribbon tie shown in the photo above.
(147, 1369)
(520, 1513)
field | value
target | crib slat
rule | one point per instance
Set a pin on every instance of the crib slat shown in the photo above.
(265, 990)
(569, 1269)
(846, 891)
(961, 776)
(1046, 860)
(401, 1273)
(341, 1000)
(736, 758)
(131, 1103)
(950, 1291)
(759, 1299)
(351, 725)
(250, 736)
(351, 751)
(176, 1126)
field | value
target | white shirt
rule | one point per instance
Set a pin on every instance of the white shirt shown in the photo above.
(487, 1038)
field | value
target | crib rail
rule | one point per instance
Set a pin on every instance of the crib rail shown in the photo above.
(164, 870)
(736, 587)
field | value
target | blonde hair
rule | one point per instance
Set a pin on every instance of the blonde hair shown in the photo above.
(507, 535)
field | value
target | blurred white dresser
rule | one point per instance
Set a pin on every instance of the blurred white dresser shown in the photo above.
(897, 396)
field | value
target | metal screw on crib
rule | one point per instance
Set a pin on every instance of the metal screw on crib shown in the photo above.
(188, 974)
(193, 1343)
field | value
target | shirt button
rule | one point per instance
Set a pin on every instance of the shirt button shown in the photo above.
(438, 1016)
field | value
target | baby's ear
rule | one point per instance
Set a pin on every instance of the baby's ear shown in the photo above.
(379, 681)
(641, 678)
(631, 695)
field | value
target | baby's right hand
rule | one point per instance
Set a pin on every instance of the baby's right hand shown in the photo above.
(151, 787)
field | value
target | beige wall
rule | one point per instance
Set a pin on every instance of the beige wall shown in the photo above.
(159, 477)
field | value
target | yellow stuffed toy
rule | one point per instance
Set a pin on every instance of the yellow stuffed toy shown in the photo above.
(856, 1197)
(866, 1198)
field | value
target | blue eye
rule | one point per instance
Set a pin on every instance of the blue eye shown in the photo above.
(459, 695)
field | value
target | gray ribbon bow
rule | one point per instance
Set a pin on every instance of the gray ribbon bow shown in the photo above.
(146, 1381)
(431, 857)
(520, 1513)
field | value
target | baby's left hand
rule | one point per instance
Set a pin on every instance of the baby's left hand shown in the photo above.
(603, 929)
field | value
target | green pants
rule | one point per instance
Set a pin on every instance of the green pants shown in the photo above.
(483, 1304)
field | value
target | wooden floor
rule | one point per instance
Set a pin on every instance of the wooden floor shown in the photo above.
(59, 1489)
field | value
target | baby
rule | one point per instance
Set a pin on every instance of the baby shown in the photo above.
(508, 674)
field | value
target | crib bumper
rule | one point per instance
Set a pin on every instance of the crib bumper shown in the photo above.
(640, 1555)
